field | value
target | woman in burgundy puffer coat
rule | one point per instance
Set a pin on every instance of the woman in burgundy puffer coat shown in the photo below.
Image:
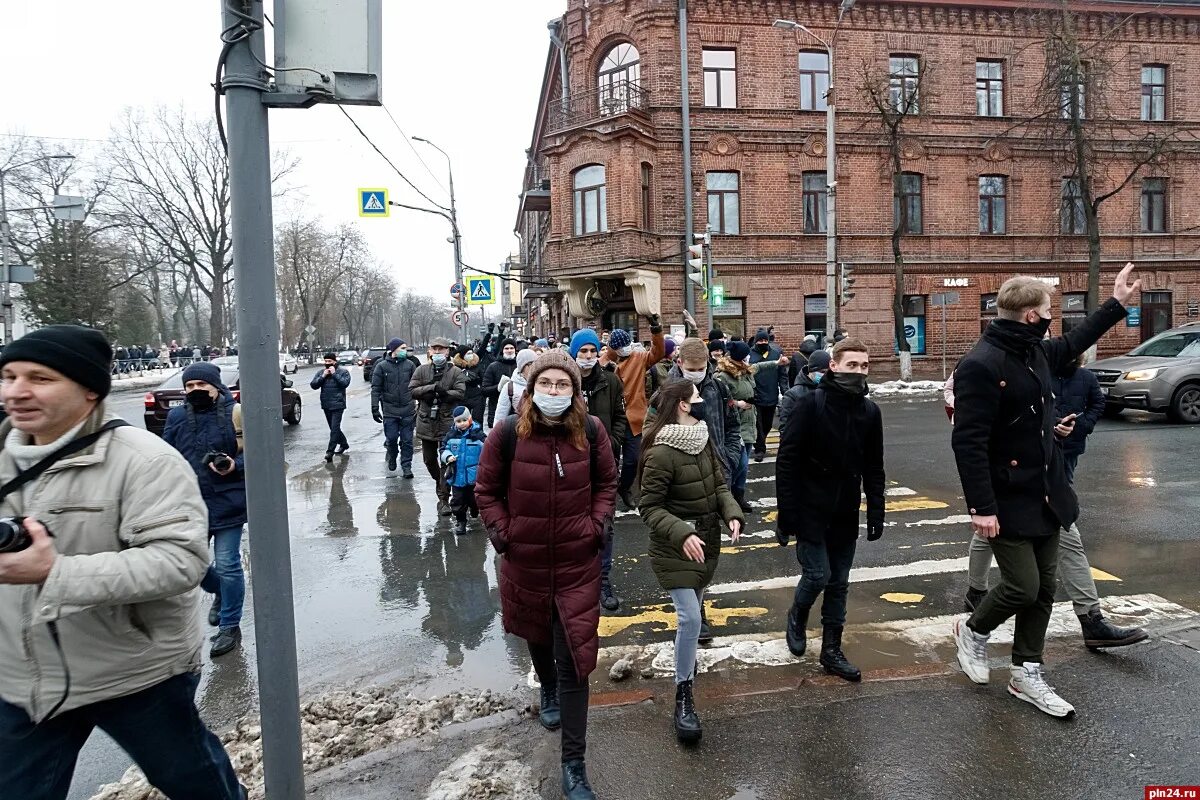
(546, 493)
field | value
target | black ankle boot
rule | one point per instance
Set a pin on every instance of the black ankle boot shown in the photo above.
(1099, 632)
(797, 636)
(575, 784)
(833, 659)
(739, 496)
(687, 722)
(705, 636)
(548, 711)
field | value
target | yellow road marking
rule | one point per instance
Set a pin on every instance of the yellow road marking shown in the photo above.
(1101, 575)
(735, 549)
(664, 618)
(910, 504)
(901, 597)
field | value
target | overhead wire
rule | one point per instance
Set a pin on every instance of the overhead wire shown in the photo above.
(416, 152)
(396, 169)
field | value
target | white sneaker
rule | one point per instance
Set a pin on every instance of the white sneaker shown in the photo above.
(1029, 684)
(972, 651)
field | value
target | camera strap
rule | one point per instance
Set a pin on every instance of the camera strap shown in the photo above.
(70, 448)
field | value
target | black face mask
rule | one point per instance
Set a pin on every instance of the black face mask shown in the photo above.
(200, 399)
(763, 347)
(1041, 326)
(696, 410)
(850, 382)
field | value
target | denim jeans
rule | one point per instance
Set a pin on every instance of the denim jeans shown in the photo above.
(398, 436)
(224, 577)
(741, 470)
(606, 555)
(1069, 463)
(688, 604)
(158, 727)
(629, 459)
(825, 567)
(336, 437)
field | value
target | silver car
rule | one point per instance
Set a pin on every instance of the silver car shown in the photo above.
(1161, 375)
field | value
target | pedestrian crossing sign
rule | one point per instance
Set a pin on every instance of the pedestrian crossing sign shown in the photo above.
(373, 203)
(480, 290)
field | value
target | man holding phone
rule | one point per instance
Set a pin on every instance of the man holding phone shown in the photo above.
(333, 381)
(1013, 476)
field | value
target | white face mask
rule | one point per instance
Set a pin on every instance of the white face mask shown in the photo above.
(552, 405)
(586, 363)
(625, 351)
(695, 376)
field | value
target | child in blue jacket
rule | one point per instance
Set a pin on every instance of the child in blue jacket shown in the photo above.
(460, 454)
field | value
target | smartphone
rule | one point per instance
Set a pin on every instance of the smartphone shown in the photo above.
(1067, 418)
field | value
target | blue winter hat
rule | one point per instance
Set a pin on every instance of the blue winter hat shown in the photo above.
(619, 338)
(541, 343)
(461, 413)
(205, 371)
(584, 337)
(394, 343)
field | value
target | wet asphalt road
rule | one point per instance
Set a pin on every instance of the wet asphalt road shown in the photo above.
(386, 594)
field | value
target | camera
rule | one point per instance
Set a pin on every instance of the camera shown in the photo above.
(219, 460)
(13, 536)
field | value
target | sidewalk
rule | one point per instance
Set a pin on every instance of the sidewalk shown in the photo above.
(133, 382)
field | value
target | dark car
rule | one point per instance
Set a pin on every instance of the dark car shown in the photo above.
(369, 358)
(170, 394)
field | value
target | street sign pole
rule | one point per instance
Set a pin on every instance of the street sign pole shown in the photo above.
(944, 337)
(708, 275)
(258, 334)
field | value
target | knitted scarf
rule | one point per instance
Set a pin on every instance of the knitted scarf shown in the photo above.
(690, 439)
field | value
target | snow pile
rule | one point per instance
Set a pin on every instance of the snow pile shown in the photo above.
(484, 773)
(906, 388)
(150, 379)
(335, 727)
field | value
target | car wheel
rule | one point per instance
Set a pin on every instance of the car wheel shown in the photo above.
(293, 415)
(1185, 406)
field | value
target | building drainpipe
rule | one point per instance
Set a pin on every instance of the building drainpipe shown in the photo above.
(556, 27)
(689, 296)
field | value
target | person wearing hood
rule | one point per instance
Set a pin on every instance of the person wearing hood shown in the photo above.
(468, 361)
(392, 404)
(799, 359)
(605, 399)
(1006, 445)
(512, 390)
(207, 430)
(631, 369)
(717, 350)
(496, 373)
(736, 374)
(769, 384)
(438, 387)
(809, 378)
(830, 455)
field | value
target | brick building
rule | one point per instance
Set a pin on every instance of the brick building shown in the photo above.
(986, 188)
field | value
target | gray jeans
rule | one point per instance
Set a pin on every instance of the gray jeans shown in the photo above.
(687, 634)
(1073, 569)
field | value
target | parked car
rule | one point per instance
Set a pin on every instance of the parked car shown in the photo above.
(288, 364)
(348, 358)
(369, 358)
(170, 394)
(1161, 375)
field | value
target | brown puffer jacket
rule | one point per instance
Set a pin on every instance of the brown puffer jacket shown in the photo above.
(545, 512)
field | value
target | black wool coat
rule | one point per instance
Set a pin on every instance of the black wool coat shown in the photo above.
(1009, 459)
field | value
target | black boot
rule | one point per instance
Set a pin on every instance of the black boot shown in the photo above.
(328, 456)
(973, 598)
(1099, 632)
(391, 460)
(549, 713)
(608, 598)
(626, 499)
(225, 640)
(575, 784)
(739, 495)
(214, 611)
(797, 636)
(706, 636)
(687, 722)
(833, 659)
(460, 526)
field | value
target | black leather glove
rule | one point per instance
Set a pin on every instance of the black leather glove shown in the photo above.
(375, 415)
(781, 537)
(874, 531)
(491, 327)
(655, 323)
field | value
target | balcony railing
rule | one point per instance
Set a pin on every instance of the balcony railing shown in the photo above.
(614, 99)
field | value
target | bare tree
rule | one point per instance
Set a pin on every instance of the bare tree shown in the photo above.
(895, 96)
(313, 264)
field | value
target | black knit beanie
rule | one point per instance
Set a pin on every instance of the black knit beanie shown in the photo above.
(82, 354)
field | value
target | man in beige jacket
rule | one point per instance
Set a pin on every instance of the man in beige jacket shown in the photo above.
(100, 618)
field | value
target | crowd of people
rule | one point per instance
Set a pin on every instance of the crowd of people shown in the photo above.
(542, 441)
(136, 358)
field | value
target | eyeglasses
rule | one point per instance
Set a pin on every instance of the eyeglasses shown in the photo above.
(546, 385)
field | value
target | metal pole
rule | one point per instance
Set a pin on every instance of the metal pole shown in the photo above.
(458, 273)
(831, 287)
(258, 331)
(689, 295)
(943, 339)
(7, 301)
(708, 276)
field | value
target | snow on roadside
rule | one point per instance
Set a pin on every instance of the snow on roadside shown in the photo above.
(484, 772)
(906, 388)
(150, 380)
(336, 727)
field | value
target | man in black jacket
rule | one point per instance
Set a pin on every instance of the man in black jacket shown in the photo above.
(392, 404)
(499, 369)
(1011, 467)
(768, 385)
(333, 382)
(810, 375)
(830, 453)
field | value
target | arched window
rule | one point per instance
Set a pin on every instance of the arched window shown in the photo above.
(619, 76)
(590, 200)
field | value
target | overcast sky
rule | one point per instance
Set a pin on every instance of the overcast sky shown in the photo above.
(462, 73)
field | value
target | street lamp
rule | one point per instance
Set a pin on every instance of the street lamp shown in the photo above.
(457, 241)
(831, 301)
(6, 301)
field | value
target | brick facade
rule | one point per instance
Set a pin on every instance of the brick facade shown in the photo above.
(771, 266)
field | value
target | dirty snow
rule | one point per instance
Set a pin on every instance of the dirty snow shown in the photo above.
(483, 773)
(906, 388)
(335, 727)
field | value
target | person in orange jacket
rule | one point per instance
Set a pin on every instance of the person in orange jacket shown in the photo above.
(631, 369)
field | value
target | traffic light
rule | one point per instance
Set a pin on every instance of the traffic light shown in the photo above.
(846, 284)
(695, 264)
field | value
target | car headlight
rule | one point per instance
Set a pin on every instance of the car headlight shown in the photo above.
(1141, 375)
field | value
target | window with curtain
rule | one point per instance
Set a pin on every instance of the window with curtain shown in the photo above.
(816, 194)
(993, 204)
(908, 204)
